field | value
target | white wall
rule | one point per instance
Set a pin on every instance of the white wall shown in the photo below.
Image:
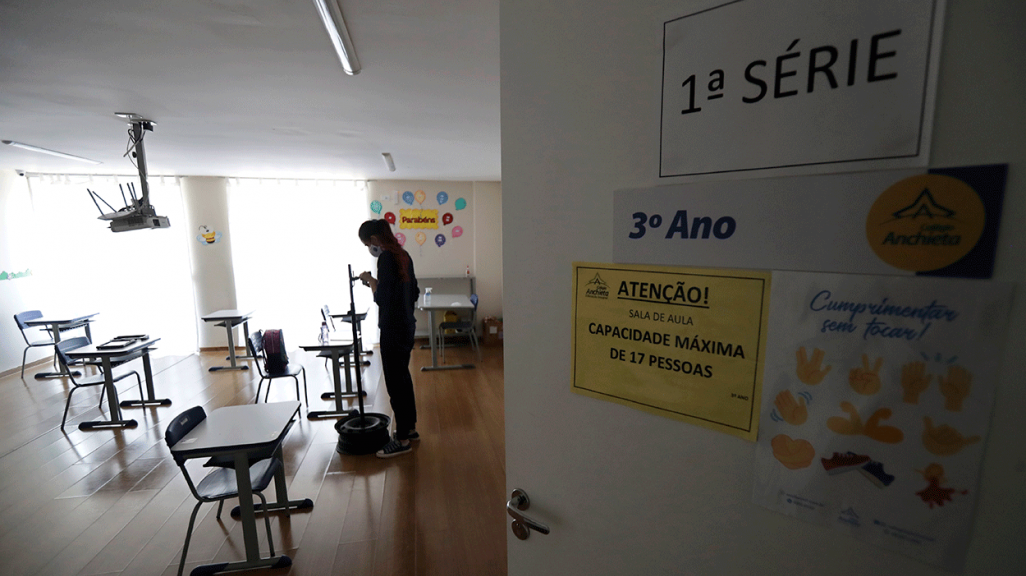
(206, 204)
(479, 247)
(634, 493)
(20, 294)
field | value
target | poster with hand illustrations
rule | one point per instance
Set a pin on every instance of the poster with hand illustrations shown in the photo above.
(876, 404)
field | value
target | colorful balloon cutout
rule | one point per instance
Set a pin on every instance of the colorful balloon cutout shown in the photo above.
(446, 219)
(376, 207)
(440, 240)
(420, 196)
(442, 198)
(401, 238)
(408, 197)
(420, 238)
(457, 232)
(461, 203)
(390, 217)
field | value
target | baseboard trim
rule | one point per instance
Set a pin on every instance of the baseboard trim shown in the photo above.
(238, 349)
(34, 363)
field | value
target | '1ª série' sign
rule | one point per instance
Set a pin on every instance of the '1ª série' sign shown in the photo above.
(685, 343)
(757, 84)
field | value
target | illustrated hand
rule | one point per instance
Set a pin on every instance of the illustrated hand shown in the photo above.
(865, 380)
(955, 387)
(886, 434)
(792, 412)
(850, 426)
(944, 440)
(914, 380)
(809, 372)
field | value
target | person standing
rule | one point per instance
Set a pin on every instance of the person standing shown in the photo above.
(395, 292)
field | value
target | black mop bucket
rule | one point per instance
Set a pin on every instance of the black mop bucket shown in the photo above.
(362, 434)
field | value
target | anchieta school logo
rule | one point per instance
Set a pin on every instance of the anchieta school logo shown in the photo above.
(597, 288)
(925, 222)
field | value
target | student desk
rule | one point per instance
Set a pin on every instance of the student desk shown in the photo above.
(230, 319)
(239, 431)
(54, 324)
(338, 350)
(434, 303)
(109, 356)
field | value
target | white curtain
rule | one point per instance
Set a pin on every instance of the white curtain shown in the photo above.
(140, 282)
(292, 242)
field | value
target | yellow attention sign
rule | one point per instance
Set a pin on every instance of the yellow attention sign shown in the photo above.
(686, 343)
(418, 218)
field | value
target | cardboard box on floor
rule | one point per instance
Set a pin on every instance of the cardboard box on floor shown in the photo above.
(492, 335)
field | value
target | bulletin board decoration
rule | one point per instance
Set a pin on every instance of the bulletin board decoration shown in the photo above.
(375, 207)
(684, 343)
(208, 236)
(461, 203)
(401, 238)
(418, 219)
(447, 218)
(442, 197)
(390, 217)
(440, 240)
(15, 275)
(877, 398)
(408, 197)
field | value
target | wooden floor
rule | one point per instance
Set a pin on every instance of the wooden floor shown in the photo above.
(113, 502)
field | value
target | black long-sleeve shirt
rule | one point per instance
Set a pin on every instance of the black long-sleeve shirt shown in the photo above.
(395, 298)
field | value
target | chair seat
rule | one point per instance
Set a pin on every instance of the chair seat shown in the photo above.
(290, 370)
(98, 380)
(221, 482)
(455, 326)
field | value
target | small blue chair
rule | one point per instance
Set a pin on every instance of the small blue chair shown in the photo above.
(462, 327)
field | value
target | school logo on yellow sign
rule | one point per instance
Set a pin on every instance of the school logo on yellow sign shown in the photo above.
(417, 218)
(925, 222)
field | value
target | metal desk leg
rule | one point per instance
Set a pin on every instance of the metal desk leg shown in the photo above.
(150, 399)
(338, 395)
(62, 370)
(112, 403)
(231, 351)
(434, 352)
(249, 529)
(282, 501)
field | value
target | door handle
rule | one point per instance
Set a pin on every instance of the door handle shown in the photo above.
(522, 525)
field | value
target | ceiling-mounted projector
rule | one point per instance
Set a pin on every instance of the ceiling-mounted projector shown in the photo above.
(138, 213)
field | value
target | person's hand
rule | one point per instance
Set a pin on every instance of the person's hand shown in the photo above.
(809, 371)
(865, 380)
(366, 277)
(850, 426)
(955, 387)
(792, 412)
(886, 434)
(914, 380)
(944, 440)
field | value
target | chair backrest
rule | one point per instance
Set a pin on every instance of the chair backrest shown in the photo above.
(22, 317)
(70, 344)
(182, 425)
(326, 314)
(473, 313)
(256, 349)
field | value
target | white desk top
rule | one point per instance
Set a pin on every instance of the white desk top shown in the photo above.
(235, 427)
(444, 302)
(226, 315)
(91, 351)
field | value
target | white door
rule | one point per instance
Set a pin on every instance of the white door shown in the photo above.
(626, 492)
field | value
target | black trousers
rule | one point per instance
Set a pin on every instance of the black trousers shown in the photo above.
(395, 349)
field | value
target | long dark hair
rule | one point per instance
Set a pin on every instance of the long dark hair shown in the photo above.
(383, 230)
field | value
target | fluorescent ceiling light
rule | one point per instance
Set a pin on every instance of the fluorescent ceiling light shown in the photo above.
(331, 13)
(50, 152)
(388, 161)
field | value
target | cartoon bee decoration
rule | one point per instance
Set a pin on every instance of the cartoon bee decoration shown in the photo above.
(208, 236)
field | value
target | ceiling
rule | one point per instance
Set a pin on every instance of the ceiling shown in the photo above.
(253, 87)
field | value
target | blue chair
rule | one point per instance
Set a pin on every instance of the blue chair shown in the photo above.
(70, 344)
(220, 484)
(462, 327)
(22, 317)
(256, 350)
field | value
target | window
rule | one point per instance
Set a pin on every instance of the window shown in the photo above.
(292, 242)
(140, 281)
